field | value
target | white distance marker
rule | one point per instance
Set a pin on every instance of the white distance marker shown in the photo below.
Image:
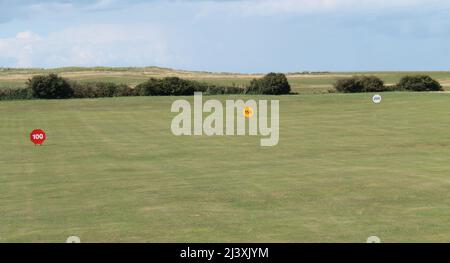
(376, 98)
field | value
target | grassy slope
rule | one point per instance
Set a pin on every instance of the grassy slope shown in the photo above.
(304, 83)
(345, 169)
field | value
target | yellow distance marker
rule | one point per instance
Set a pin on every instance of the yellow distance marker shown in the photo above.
(248, 112)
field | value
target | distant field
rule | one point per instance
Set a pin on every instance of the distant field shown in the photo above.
(111, 171)
(302, 83)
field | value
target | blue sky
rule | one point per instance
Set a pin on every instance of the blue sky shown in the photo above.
(234, 36)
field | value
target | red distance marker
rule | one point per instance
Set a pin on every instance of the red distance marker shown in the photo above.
(38, 136)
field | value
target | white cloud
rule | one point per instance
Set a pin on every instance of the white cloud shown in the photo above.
(21, 48)
(274, 7)
(20, 9)
(136, 45)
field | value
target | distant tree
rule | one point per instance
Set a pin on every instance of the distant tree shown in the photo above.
(152, 87)
(15, 94)
(360, 84)
(178, 87)
(101, 90)
(419, 83)
(348, 85)
(170, 86)
(372, 84)
(50, 87)
(272, 83)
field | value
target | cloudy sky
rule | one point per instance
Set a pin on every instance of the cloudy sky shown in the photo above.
(234, 36)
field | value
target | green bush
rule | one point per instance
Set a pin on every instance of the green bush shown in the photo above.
(16, 94)
(55, 87)
(174, 86)
(360, 84)
(101, 90)
(270, 84)
(50, 87)
(213, 90)
(373, 84)
(418, 83)
(83, 90)
(152, 87)
(348, 85)
(124, 91)
(106, 89)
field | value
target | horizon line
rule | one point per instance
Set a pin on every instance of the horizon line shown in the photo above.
(304, 72)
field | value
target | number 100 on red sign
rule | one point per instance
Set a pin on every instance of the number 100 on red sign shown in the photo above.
(38, 136)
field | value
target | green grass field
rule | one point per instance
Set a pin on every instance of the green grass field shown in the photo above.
(111, 171)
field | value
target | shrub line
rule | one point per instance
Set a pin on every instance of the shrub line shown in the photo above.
(53, 86)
